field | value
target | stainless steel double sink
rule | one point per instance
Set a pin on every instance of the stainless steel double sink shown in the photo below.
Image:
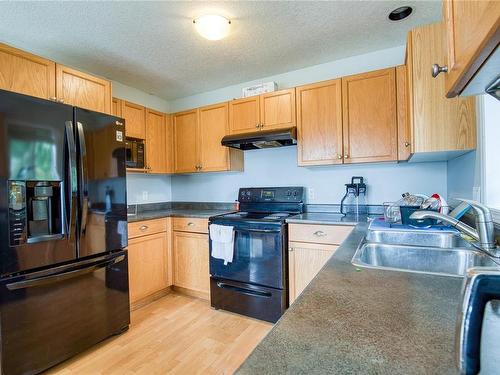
(432, 252)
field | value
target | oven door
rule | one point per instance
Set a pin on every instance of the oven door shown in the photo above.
(259, 256)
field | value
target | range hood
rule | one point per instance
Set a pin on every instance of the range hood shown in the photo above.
(261, 139)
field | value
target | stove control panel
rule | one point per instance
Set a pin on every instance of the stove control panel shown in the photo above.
(271, 195)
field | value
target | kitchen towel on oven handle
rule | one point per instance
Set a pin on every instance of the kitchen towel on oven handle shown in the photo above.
(222, 237)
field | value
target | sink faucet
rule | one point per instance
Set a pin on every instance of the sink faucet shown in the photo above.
(484, 232)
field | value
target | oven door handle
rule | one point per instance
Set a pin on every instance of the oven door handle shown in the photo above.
(258, 230)
(249, 292)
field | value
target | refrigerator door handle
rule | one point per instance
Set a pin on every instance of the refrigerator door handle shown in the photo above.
(71, 177)
(61, 276)
(84, 197)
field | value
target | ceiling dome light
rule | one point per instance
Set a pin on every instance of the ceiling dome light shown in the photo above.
(212, 26)
(400, 13)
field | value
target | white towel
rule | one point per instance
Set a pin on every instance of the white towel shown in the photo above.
(222, 237)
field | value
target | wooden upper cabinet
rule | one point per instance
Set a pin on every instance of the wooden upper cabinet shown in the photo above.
(437, 124)
(83, 90)
(244, 115)
(473, 33)
(214, 125)
(186, 141)
(277, 109)
(156, 142)
(116, 107)
(169, 143)
(319, 123)
(135, 119)
(369, 117)
(402, 97)
(27, 74)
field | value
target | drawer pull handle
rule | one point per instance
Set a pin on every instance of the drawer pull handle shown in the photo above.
(143, 227)
(320, 233)
(190, 224)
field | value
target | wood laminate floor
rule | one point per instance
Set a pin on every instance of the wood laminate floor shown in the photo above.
(175, 334)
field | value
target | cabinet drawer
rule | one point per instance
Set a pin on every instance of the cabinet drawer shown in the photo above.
(147, 227)
(190, 224)
(325, 234)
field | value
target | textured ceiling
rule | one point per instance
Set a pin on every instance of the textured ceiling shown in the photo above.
(153, 46)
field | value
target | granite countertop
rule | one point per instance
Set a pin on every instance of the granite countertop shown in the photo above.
(328, 218)
(175, 212)
(351, 320)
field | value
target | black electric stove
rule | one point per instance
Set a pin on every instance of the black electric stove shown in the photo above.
(255, 283)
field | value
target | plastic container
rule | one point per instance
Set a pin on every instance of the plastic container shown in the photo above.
(406, 212)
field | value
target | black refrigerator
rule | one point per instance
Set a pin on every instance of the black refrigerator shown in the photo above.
(63, 231)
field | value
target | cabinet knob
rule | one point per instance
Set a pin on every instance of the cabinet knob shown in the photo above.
(339, 156)
(290, 249)
(346, 156)
(320, 233)
(190, 224)
(261, 126)
(407, 144)
(257, 126)
(436, 69)
(143, 227)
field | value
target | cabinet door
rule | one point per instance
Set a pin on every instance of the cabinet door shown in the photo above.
(369, 117)
(214, 125)
(27, 74)
(244, 115)
(83, 90)
(147, 265)
(319, 123)
(277, 109)
(404, 135)
(185, 141)
(156, 138)
(191, 270)
(135, 119)
(116, 107)
(438, 124)
(169, 142)
(472, 30)
(305, 260)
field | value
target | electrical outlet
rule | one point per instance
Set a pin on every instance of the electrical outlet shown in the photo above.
(310, 194)
(145, 195)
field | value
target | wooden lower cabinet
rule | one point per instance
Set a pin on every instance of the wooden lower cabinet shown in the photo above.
(191, 259)
(309, 248)
(149, 260)
(305, 260)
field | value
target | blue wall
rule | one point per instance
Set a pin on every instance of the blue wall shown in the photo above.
(278, 167)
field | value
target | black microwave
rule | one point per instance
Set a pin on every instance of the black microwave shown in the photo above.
(135, 153)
